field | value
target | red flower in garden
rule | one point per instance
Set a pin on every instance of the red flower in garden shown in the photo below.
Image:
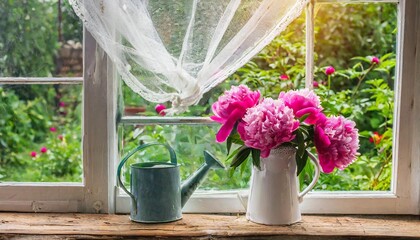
(376, 138)
(60, 137)
(43, 150)
(374, 60)
(53, 129)
(33, 154)
(159, 109)
(62, 104)
(284, 77)
(315, 84)
(329, 70)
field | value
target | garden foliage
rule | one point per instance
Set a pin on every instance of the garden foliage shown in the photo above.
(347, 36)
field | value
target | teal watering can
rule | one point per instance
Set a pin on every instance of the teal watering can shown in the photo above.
(156, 191)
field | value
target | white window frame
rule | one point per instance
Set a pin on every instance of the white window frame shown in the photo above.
(98, 144)
(98, 191)
(403, 198)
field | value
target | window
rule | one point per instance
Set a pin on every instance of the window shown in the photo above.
(103, 130)
(220, 193)
(42, 83)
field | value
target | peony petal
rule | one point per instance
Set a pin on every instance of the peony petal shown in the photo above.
(227, 127)
(321, 140)
(265, 153)
(241, 130)
(217, 119)
(313, 114)
(327, 164)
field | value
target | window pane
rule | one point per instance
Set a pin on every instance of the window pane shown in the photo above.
(359, 42)
(40, 133)
(39, 39)
(284, 56)
(189, 142)
(348, 36)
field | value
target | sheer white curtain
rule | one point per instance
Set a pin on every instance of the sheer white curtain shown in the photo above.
(177, 50)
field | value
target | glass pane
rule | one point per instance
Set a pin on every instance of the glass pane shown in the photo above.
(348, 36)
(277, 68)
(189, 142)
(40, 133)
(39, 39)
(359, 42)
(285, 56)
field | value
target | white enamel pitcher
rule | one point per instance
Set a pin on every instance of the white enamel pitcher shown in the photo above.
(274, 194)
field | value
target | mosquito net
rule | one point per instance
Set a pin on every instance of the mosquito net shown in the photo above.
(177, 50)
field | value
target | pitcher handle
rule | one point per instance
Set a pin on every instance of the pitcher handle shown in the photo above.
(314, 180)
(124, 160)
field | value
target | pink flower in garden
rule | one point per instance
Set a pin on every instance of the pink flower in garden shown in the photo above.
(303, 102)
(268, 125)
(60, 137)
(43, 150)
(53, 129)
(284, 77)
(329, 70)
(374, 60)
(159, 109)
(61, 104)
(336, 141)
(231, 107)
(33, 154)
(315, 84)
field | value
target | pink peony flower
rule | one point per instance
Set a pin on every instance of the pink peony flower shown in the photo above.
(374, 60)
(315, 84)
(268, 125)
(53, 129)
(159, 109)
(43, 150)
(336, 141)
(33, 154)
(284, 77)
(303, 102)
(61, 104)
(231, 107)
(329, 70)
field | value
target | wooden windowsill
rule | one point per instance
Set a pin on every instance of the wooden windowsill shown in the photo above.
(203, 226)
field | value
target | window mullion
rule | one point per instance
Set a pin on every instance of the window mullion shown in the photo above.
(310, 37)
(99, 128)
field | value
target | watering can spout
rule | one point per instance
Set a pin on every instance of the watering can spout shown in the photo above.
(191, 184)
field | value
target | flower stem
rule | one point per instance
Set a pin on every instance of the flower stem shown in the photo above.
(361, 80)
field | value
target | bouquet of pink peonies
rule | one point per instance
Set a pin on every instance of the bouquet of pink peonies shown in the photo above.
(295, 118)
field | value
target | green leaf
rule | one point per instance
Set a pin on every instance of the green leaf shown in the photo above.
(233, 154)
(300, 142)
(256, 154)
(236, 139)
(231, 171)
(241, 156)
(304, 117)
(301, 162)
(228, 145)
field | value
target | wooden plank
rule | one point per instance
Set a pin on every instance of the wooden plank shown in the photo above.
(208, 226)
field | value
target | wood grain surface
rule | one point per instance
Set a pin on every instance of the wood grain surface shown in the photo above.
(97, 226)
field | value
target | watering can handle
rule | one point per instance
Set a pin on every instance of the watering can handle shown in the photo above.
(124, 160)
(314, 180)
